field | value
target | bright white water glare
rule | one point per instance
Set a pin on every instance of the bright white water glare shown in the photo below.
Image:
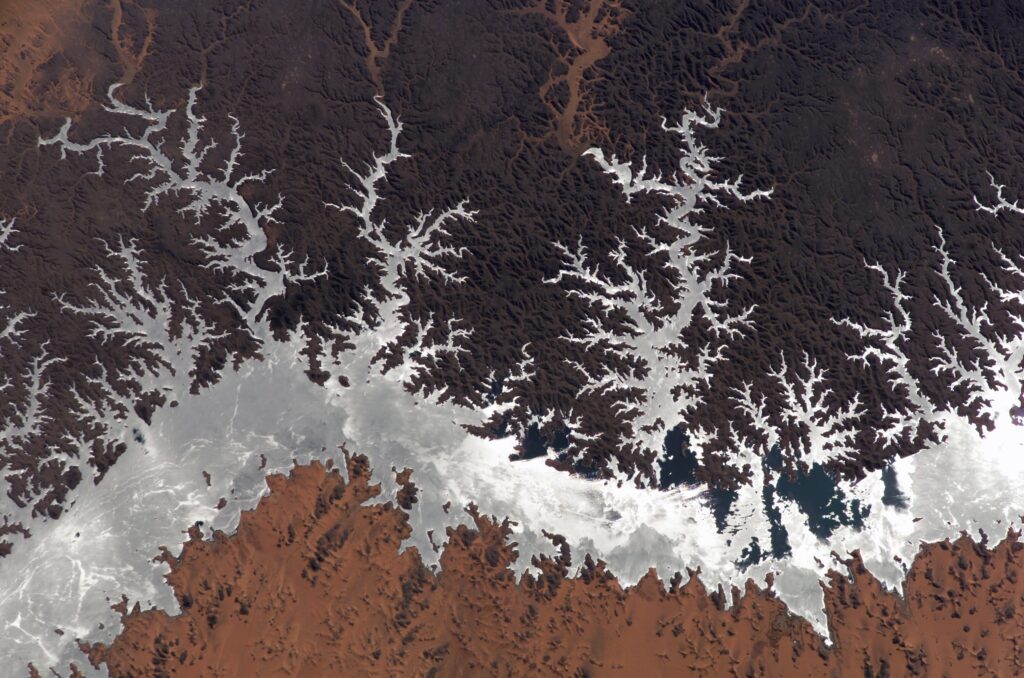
(67, 575)
(59, 580)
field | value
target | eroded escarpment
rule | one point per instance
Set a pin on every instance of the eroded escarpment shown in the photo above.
(314, 580)
(56, 56)
(524, 89)
(865, 309)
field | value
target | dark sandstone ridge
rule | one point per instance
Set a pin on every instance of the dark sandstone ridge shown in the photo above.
(314, 582)
(876, 124)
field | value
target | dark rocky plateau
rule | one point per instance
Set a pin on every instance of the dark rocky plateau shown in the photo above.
(876, 124)
(702, 243)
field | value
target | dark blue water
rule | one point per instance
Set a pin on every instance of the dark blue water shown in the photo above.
(535, 445)
(818, 496)
(891, 493)
(815, 492)
(679, 467)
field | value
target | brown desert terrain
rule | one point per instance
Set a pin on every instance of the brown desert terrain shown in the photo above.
(872, 292)
(314, 583)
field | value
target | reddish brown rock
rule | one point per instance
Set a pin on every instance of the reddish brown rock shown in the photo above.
(314, 583)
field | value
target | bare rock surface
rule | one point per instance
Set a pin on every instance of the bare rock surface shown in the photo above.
(314, 582)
